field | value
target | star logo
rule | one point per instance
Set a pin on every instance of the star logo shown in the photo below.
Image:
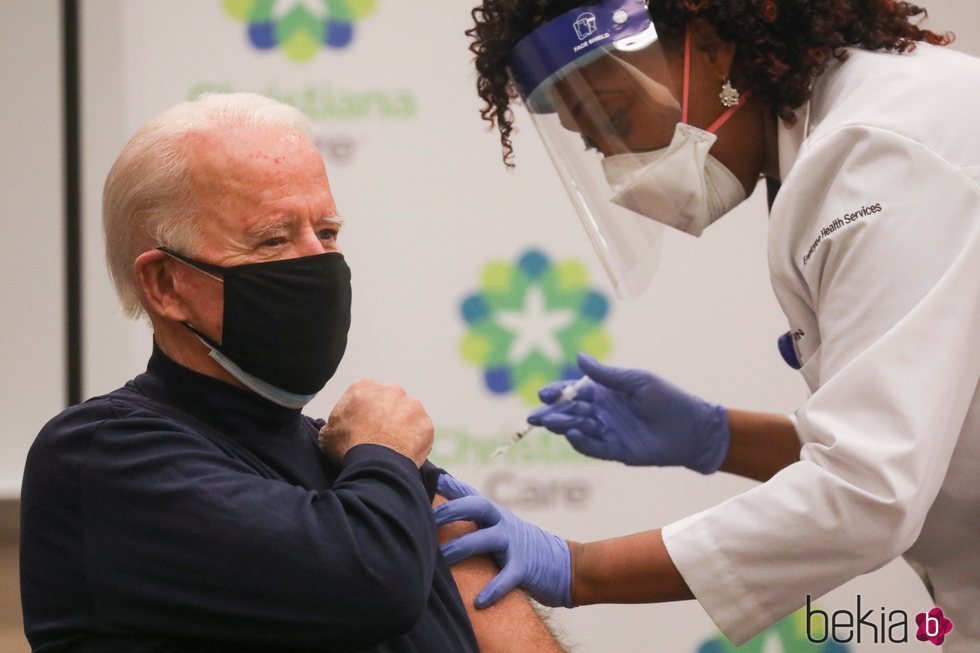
(528, 322)
(534, 327)
(299, 27)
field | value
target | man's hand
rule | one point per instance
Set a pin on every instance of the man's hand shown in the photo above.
(371, 413)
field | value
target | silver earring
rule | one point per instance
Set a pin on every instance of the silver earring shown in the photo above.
(729, 94)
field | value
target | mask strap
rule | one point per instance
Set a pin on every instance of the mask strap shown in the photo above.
(200, 336)
(216, 272)
(213, 271)
(687, 73)
(260, 387)
(723, 118)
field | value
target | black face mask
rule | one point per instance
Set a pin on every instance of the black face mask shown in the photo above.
(285, 322)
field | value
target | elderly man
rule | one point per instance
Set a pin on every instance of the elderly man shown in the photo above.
(192, 509)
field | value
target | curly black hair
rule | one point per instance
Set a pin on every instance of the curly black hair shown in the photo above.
(781, 45)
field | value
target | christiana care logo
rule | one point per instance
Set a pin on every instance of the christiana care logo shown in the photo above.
(529, 320)
(299, 27)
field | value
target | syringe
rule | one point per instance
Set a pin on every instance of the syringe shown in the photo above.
(568, 393)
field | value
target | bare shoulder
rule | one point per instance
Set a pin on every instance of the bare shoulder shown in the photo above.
(513, 623)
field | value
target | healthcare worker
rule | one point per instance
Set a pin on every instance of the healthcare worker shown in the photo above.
(668, 114)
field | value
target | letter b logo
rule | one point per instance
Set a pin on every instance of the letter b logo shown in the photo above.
(821, 623)
(933, 626)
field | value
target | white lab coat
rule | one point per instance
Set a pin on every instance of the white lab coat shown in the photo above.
(874, 253)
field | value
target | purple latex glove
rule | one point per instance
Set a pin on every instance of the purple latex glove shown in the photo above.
(637, 418)
(530, 558)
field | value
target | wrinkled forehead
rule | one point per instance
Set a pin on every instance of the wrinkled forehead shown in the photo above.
(250, 164)
(240, 148)
(245, 181)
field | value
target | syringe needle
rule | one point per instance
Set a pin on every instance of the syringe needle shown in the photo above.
(568, 394)
(514, 439)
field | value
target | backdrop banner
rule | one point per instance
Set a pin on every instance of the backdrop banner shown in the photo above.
(475, 285)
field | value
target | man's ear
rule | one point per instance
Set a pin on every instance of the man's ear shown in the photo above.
(717, 53)
(155, 278)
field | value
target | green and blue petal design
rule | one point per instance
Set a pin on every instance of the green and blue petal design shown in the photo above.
(529, 320)
(787, 636)
(299, 27)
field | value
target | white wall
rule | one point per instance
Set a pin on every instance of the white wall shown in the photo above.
(32, 349)
(108, 360)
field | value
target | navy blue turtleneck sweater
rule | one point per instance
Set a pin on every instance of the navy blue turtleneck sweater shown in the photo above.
(182, 514)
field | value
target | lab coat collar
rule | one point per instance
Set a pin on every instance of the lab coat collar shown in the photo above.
(789, 139)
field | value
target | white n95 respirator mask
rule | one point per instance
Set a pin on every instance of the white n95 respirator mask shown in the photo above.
(694, 187)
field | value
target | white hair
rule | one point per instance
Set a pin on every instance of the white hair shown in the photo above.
(146, 201)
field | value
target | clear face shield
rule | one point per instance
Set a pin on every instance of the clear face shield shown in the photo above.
(611, 109)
